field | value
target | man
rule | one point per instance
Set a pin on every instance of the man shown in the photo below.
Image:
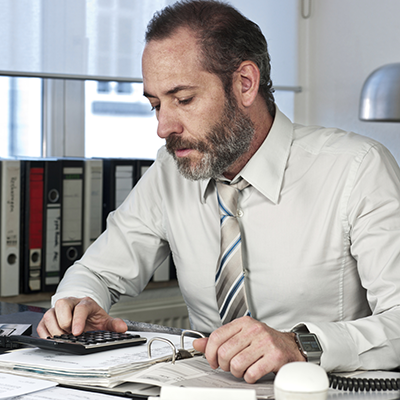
(319, 218)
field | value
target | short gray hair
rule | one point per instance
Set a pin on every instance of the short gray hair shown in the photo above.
(226, 39)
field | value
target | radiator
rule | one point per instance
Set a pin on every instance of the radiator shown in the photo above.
(167, 311)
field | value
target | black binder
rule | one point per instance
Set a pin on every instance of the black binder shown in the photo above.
(119, 177)
(72, 206)
(142, 166)
(52, 224)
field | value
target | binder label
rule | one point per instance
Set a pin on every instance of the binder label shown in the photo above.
(123, 183)
(72, 205)
(53, 245)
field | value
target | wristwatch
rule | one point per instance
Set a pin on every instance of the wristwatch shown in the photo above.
(309, 346)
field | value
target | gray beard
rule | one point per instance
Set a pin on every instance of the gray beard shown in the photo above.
(224, 144)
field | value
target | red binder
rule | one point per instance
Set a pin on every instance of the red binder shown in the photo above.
(32, 216)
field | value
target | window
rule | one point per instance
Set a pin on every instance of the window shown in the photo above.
(119, 121)
(101, 39)
(21, 117)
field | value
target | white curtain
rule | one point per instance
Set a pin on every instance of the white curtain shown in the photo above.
(75, 37)
(105, 38)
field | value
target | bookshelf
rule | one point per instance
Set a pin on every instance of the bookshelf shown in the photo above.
(36, 282)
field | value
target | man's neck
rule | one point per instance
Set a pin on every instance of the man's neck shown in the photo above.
(262, 121)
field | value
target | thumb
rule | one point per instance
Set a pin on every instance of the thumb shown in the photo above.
(116, 325)
(200, 344)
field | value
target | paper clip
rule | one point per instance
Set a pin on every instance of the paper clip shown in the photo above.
(177, 354)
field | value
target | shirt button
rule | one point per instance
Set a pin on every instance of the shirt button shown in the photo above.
(239, 213)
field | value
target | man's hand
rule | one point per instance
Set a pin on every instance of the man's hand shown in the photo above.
(73, 315)
(249, 348)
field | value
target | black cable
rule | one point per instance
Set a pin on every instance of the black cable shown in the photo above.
(362, 384)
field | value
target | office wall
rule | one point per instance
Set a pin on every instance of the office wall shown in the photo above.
(339, 46)
(279, 22)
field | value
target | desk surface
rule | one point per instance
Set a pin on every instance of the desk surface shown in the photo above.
(21, 314)
(10, 308)
(24, 314)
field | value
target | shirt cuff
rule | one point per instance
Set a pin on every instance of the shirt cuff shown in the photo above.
(339, 351)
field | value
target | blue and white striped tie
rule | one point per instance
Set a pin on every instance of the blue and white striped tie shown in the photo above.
(229, 279)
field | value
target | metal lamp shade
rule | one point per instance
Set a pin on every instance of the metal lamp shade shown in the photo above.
(380, 95)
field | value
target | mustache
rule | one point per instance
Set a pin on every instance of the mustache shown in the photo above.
(176, 142)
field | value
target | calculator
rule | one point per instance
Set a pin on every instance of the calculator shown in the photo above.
(86, 343)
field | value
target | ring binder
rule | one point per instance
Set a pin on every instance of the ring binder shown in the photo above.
(185, 332)
(177, 354)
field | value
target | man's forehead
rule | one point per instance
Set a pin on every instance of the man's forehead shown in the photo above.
(179, 41)
(172, 64)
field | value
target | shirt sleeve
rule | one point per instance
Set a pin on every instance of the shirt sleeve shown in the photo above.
(373, 228)
(123, 259)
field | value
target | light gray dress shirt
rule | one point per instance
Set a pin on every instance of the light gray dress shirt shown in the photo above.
(321, 242)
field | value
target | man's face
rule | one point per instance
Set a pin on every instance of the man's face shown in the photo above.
(227, 140)
(205, 131)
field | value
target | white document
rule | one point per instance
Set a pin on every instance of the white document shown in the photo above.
(195, 393)
(106, 369)
(196, 372)
(12, 385)
(57, 393)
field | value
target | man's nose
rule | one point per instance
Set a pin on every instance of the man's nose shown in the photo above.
(168, 123)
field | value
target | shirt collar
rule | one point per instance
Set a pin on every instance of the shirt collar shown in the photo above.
(266, 168)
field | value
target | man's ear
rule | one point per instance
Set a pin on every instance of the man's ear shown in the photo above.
(246, 83)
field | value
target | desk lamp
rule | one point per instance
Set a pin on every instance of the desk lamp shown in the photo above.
(380, 95)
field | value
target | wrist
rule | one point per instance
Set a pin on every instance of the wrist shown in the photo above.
(299, 356)
(308, 345)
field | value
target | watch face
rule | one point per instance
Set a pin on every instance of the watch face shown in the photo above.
(310, 343)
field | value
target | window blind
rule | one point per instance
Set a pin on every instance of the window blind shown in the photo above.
(74, 38)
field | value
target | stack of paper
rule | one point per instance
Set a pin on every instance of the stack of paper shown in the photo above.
(12, 386)
(196, 372)
(105, 369)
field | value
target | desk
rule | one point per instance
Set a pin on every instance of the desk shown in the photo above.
(24, 314)
(21, 314)
(11, 308)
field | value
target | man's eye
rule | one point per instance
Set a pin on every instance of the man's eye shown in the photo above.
(156, 108)
(185, 101)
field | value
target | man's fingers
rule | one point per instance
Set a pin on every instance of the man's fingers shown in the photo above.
(116, 325)
(218, 339)
(48, 326)
(200, 344)
(84, 309)
(42, 330)
(75, 315)
(256, 371)
(63, 311)
(58, 320)
(248, 363)
(233, 355)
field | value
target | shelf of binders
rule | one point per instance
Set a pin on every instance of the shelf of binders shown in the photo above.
(51, 210)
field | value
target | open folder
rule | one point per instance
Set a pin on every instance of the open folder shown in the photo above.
(103, 369)
(166, 360)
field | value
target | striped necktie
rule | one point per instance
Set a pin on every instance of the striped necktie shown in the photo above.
(229, 279)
